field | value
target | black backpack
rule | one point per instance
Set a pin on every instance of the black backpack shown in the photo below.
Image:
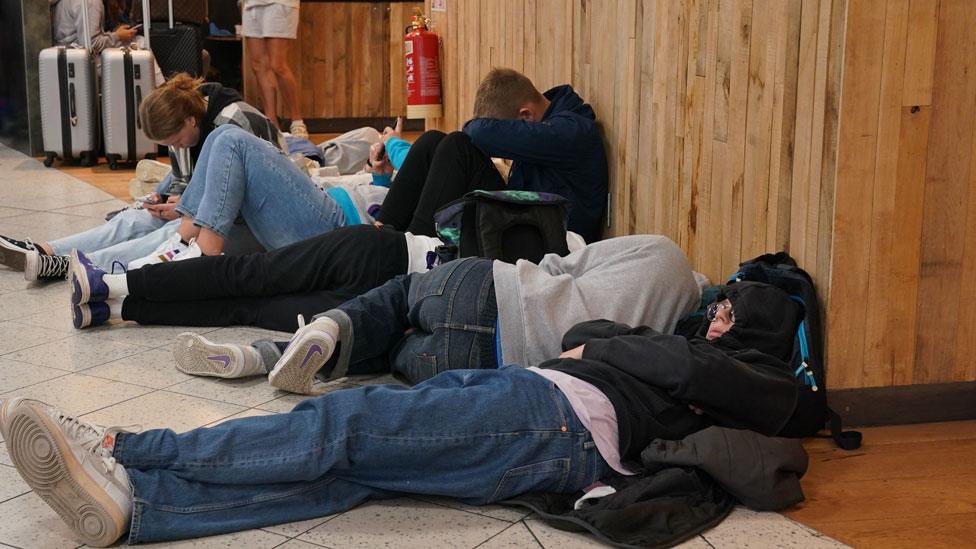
(812, 412)
(505, 225)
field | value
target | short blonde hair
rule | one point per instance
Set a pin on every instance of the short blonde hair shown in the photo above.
(164, 111)
(502, 93)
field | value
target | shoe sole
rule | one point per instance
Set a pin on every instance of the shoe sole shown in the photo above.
(80, 289)
(194, 355)
(45, 461)
(81, 316)
(31, 266)
(288, 373)
(12, 256)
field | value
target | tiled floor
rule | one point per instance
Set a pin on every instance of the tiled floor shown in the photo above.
(124, 375)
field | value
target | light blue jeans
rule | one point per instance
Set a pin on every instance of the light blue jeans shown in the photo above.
(240, 173)
(132, 234)
(477, 435)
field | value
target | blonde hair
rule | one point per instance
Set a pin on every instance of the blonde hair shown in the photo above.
(164, 111)
(502, 93)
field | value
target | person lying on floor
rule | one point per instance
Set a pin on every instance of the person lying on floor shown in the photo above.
(181, 114)
(269, 289)
(481, 436)
(468, 313)
(552, 138)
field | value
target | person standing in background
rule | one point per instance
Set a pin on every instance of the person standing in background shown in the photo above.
(269, 26)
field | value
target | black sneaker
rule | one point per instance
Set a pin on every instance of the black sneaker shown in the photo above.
(45, 267)
(13, 253)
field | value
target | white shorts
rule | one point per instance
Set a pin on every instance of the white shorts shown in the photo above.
(270, 21)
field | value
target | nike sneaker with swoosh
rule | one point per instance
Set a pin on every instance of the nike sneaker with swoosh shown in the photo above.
(198, 356)
(307, 352)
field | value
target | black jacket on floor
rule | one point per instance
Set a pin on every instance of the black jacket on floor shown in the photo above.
(686, 487)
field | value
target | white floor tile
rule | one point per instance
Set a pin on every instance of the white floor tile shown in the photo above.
(74, 354)
(406, 524)
(11, 485)
(250, 391)
(295, 529)
(15, 336)
(79, 394)
(14, 375)
(508, 514)
(150, 368)
(96, 210)
(746, 528)
(516, 536)
(299, 544)
(30, 301)
(4, 456)
(164, 409)
(29, 523)
(553, 538)
(154, 337)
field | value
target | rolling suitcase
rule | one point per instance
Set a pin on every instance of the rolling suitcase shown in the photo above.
(127, 76)
(69, 91)
(192, 12)
(177, 47)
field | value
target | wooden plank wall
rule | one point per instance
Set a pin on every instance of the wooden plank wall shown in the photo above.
(714, 112)
(905, 227)
(348, 60)
(839, 130)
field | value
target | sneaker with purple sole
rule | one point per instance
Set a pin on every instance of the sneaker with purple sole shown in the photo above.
(89, 315)
(87, 284)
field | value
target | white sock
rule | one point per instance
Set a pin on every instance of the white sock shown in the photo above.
(118, 285)
(114, 307)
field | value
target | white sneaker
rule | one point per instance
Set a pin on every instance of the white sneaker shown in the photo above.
(198, 356)
(173, 249)
(68, 463)
(298, 129)
(309, 350)
(152, 171)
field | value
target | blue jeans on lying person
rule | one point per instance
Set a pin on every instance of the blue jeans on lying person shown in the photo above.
(240, 173)
(421, 324)
(129, 224)
(477, 435)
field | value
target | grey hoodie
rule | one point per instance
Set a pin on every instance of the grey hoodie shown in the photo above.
(67, 27)
(641, 280)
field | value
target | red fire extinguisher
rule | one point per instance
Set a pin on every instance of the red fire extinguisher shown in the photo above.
(422, 70)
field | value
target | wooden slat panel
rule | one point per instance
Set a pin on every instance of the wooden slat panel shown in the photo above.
(946, 192)
(857, 149)
(877, 362)
(907, 243)
(923, 19)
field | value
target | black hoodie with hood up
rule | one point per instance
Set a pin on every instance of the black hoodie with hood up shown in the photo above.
(740, 380)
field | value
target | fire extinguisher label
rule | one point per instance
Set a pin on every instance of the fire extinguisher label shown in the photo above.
(408, 48)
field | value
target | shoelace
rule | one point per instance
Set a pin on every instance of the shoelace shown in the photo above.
(53, 266)
(81, 430)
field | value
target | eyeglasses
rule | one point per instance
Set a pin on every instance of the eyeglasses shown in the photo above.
(711, 312)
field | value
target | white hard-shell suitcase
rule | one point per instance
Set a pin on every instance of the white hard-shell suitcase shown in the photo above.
(128, 75)
(69, 114)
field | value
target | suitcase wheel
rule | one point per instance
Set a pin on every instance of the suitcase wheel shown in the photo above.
(49, 159)
(113, 161)
(87, 158)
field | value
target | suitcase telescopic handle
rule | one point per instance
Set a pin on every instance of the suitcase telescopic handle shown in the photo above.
(138, 103)
(72, 111)
(85, 26)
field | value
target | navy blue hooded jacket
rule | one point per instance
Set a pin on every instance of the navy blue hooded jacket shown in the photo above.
(562, 154)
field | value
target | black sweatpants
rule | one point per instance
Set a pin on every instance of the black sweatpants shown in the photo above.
(267, 289)
(438, 169)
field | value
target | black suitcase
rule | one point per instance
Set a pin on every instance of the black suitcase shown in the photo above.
(177, 47)
(195, 12)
